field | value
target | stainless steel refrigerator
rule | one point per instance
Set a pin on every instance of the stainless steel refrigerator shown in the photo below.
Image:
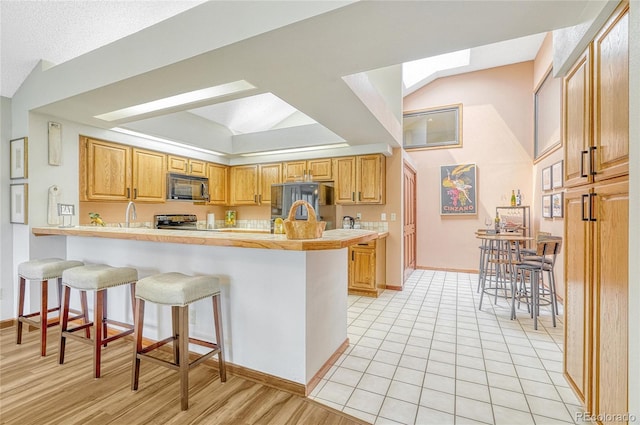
(318, 194)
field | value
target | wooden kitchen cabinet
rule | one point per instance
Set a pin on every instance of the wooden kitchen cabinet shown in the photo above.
(360, 179)
(367, 268)
(251, 184)
(596, 97)
(189, 166)
(149, 176)
(320, 170)
(597, 222)
(114, 172)
(218, 184)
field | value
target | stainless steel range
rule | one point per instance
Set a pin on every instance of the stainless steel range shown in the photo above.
(176, 221)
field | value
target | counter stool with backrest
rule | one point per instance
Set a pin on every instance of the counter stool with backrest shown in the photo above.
(97, 278)
(41, 270)
(178, 291)
(544, 260)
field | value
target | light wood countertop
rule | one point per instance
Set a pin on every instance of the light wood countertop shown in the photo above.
(331, 239)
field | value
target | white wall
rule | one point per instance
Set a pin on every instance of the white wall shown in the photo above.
(6, 233)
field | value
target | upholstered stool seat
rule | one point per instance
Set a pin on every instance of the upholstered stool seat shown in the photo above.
(97, 278)
(178, 291)
(41, 270)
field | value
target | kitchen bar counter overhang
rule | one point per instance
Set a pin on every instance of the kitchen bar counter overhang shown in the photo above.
(284, 302)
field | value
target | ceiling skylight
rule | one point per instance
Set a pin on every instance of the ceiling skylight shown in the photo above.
(177, 100)
(419, 70)
(252, 114)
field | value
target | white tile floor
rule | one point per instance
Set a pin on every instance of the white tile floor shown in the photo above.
(426, 355)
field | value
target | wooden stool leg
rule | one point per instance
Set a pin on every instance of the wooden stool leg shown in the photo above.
(105, 333)
(21, 289)
(175, 328)
(44, 316)
(64, 320)
(138, 328)
(183, 341)
(97, 324)
(59, 287)
(84, 306)
(217, 315)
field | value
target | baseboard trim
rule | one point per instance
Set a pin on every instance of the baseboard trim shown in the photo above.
(394, 288)
(447, 269)
(325, 368)
(7, 323)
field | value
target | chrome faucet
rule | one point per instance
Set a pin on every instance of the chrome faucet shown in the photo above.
(126, 214)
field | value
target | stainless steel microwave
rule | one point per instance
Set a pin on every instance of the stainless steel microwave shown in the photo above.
(187, 188)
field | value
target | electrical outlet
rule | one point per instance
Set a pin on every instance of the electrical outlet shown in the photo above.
(383, 217)
(393, 216)
(359, 215)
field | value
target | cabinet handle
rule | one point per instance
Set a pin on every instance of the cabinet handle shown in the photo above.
(582, 173)
(592, 155)
(255, 199)
(584, 197)
(191, 168)
(260, 198)
(359, 196)
(135, 193)
(352, 255)
(353, 196)
(591, 198)
(128, 193)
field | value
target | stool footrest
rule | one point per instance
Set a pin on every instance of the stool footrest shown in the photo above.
(157, 345)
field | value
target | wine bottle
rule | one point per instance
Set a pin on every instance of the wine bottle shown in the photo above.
(513, 198)
(518, 199)
(497, 223)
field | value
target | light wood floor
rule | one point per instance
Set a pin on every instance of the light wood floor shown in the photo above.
(37, 390)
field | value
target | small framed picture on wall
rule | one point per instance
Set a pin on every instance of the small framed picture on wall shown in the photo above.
(557, 207)
(546, 206)
(556, 175)
(546, 178)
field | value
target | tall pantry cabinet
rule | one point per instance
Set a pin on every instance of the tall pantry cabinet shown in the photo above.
(596, 138)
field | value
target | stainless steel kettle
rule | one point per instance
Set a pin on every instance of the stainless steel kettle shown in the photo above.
(347, 222)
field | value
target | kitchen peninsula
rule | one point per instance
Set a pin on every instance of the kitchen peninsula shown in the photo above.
(284, 302)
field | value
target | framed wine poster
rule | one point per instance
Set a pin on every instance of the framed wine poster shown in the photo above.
(458, 190)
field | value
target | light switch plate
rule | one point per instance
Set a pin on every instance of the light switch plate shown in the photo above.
(359, 215)
(383, 217)
(393, 216)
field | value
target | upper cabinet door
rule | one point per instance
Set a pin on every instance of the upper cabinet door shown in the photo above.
(218, 184)
(294, 170)
(577, 119)
(197, 168)
(108, 171)
(149, 176)
(370, 179)
(177, 164)
(269, 174)
(611, 97)
(320, 169)
(244, 185)
(345, 180)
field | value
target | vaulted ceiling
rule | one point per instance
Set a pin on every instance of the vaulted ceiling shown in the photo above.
(322, 72)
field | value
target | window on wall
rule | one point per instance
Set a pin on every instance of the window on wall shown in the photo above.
(433, 128)
(548, 102)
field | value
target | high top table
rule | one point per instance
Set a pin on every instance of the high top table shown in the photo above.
(500, 253)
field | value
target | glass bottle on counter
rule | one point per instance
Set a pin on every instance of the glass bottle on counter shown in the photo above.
(497, 223)
(518, 199)
(513, 198)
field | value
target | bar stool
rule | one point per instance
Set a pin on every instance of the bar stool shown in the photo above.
(97, 278)
(178, 291)
(41, 270)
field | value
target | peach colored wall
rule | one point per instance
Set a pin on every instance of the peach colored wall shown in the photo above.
(497, 137)
(542, 64)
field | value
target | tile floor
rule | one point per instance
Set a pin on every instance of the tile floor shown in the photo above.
(426, 355)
